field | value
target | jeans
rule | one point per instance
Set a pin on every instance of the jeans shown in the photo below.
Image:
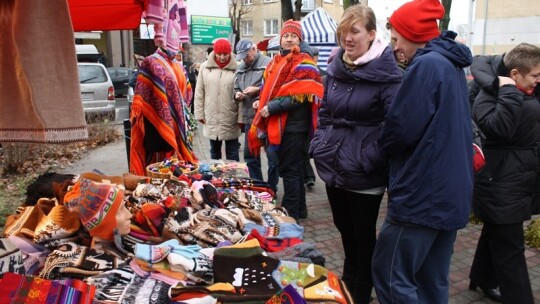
(232, 147)
(411, 264)
(254, 163)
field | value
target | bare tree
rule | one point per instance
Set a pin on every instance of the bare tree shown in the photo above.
(287, 9)
(298, 9)
(347, 3)
(237, 9)
(445, 21)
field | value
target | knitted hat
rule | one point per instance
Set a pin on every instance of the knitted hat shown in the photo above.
(96, 205)
(291, 26)
(222, 46)
(416, 21)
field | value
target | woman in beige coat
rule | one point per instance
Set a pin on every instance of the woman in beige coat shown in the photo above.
(215, 107)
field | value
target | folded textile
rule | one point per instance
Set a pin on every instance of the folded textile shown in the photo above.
(251, 275)
(313, 282)
(17, 288)
(122, 285)
(11, 258)
(44, 222)
(156, 253)
(273, 244)
(71, 260)
(198, 269)
(288, 295)
(302, 252)
(277, 231)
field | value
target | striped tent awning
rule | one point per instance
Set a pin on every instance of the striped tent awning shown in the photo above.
(319, 28)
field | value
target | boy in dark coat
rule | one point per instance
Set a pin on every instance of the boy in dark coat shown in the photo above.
(506, 190)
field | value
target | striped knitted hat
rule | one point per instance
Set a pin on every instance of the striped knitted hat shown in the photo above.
(97, 205)
(291, 26)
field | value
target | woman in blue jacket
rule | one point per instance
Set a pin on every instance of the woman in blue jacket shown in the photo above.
(362, 80)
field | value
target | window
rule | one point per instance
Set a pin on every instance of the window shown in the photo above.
(341, 2)
(329, 1)
(247, 2)
(267, 1)
(271, 27)
(247, 28)
(307, 5)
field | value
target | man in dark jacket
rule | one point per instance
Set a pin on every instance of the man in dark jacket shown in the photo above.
(506, 190)
(427, 139)
(246, 90)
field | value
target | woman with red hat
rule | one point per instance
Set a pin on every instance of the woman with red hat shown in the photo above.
(215, 107)
(287, 113)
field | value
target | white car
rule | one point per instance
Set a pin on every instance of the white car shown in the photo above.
(97, 91)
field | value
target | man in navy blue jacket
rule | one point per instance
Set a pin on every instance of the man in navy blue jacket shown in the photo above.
(427, 139)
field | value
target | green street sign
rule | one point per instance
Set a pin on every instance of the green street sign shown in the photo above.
(205, 29)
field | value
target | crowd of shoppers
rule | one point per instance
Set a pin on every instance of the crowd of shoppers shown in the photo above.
(396, 118)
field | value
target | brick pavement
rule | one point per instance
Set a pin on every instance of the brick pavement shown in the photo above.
(319, 228)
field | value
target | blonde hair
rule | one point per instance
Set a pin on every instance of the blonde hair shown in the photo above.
(352, 15)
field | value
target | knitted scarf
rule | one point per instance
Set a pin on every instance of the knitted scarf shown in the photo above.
(159, 99)
(295, 75)
(220, 64)
(41, 98)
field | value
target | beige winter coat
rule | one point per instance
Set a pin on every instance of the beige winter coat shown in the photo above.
(214, 100)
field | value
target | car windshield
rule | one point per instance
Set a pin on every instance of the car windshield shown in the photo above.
(91, 74)
(119, 72)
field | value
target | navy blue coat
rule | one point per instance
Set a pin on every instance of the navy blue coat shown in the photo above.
(428, 138)
(350, 120)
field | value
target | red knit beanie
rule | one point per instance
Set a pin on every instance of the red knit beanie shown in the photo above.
(291, 26)
(416, 21)
(222, 46)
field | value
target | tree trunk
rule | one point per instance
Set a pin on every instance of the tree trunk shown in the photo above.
(443, 25)
(297, 9)
(286, 10)
(347, 3)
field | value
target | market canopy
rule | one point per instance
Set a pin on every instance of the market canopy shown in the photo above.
(319, 27)
(105, 15)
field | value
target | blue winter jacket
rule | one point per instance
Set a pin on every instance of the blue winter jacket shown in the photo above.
(427, 138)
(350, 119)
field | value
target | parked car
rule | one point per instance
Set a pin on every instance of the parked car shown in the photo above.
(120, 78)
(97, 91)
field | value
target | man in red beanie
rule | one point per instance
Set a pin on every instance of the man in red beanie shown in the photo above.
(427, 139)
